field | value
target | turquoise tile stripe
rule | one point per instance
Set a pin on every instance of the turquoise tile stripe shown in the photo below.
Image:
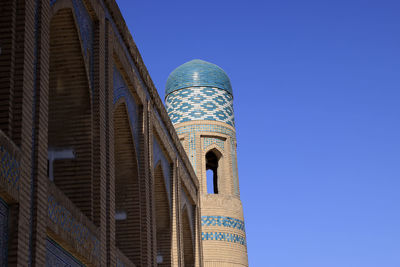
(223, 221)
(221, 236)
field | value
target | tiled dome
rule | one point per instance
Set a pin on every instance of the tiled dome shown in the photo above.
(198, 73)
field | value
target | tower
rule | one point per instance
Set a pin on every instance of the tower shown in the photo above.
(199, 101)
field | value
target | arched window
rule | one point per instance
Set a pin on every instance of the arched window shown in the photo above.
(212, 171)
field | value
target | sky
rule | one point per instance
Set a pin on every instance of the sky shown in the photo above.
(317, 108)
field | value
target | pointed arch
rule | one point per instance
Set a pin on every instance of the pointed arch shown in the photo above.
(187, 236)
(162, 218)
(127, 187)
(70, 114)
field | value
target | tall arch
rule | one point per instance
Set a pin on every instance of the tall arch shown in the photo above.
(188, 244)
(70, 114)
(127, 190)
(162, 218)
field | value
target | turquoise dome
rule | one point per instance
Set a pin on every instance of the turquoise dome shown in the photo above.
(197, 73)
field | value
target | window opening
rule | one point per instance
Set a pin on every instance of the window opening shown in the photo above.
(212, 172)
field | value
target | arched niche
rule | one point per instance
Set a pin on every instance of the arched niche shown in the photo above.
(162, 218)
(127, 187)
(187, 237)
(69, 114)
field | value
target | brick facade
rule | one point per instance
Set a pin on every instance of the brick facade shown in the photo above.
(92, 170)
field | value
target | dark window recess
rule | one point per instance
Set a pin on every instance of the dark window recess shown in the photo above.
(212, 172)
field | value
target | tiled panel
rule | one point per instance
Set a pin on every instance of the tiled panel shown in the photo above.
(222, 221)
(221, 236)
(158, 156)
(58, 257)
(3, 232)
(121, 90)
(10, 168)
(60, 215)
(207, 141)
(234, 167)
(198, 73)
(200, 103)
(192, 150)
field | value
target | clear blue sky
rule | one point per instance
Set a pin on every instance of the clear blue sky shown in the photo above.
(317, 106)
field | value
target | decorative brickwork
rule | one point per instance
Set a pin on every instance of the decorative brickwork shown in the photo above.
(81, 126)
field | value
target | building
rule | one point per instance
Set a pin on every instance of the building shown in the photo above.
(93, 171)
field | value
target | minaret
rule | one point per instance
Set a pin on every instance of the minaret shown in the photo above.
(199, 101)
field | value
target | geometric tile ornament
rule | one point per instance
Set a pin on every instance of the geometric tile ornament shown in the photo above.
(222, 221)
(200, 103)
(207, 141)
(199, 90)
(221, 236)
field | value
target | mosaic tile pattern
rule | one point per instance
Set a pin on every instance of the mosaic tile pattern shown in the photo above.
(10, 171)
(61, 216)
(3, 233)
(200, 103)
(121, 90)
(158, 156)
(56, 256)
(222, 221)
(221, 236)
(207, 141)
(198, 73)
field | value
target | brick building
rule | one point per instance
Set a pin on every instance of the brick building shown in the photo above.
(93, 172)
